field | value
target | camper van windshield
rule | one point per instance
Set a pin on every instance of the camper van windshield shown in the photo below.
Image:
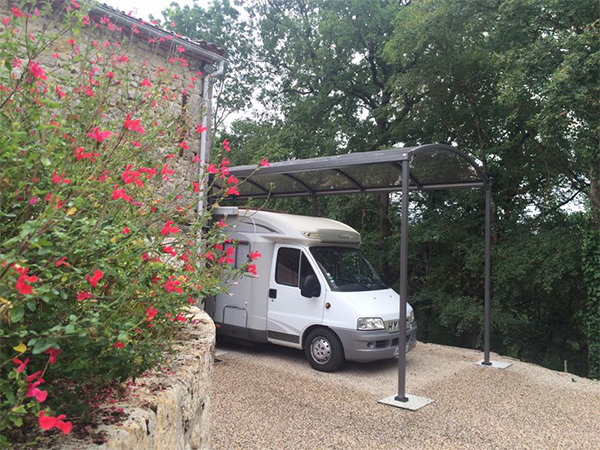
(346, 269)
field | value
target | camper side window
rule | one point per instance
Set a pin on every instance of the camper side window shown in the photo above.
(288, 266)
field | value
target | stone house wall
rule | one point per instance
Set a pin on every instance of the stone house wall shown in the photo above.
(129, 38)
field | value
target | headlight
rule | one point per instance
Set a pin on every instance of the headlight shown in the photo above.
(410, 319)
(370, 323)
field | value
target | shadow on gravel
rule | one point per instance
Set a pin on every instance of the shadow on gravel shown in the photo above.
(292, 355)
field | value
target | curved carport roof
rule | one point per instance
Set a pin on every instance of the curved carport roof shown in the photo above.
(426, 167)
(432, 166)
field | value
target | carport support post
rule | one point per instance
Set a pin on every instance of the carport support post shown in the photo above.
(486, 301)
(401, 397)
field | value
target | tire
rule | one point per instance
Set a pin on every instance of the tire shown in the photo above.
(324, 350)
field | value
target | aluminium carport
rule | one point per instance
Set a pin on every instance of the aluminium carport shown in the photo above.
(426, 167)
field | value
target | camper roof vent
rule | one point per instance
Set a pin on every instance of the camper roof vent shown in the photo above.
(311, 234)
(226, 211)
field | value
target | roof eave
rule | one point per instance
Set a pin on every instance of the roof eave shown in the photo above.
(191, 49)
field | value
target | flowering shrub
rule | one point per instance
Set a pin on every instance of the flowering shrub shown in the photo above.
(98, 228)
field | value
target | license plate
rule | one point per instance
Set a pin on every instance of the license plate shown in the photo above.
(392, 326)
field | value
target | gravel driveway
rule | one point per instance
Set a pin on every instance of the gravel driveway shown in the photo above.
(268, 397)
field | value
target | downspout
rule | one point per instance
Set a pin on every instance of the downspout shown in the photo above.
(206, 118)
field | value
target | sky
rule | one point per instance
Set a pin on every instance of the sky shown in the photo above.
(143, 8)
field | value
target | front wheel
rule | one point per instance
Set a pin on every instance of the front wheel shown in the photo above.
(324, 350)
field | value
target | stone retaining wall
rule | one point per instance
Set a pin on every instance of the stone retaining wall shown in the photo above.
(170, 410)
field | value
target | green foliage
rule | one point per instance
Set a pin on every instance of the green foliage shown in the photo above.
(98, 258)
(513, 84)
(222, 23)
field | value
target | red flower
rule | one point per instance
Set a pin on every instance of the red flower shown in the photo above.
(98, 135)
(53, 354)
(229, 255)
(150, 313)
(166, 172)
(146, 82)
(264, 163)
(34, 391)
(131, 176)
(82, 295)
(171, 285)
(255, 255)
(61, 261)
(22, 285)
(200, 128)
(233, 190)
(169, 250)
(212, 168)
(60, 92)
(98, 274)
(56, 179)
(125, 230)
(252, 269)
(118, 345)
(168, 229)
(149, 170)
(35, 376)
(226, 145)
(79, 153)
(133, 125)
(37, 71)
(21, 364)
(17, 12)
(120, 193)
(48, 422)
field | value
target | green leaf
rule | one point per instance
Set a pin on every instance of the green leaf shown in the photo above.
(17, 421)
(70, 329)
(32, 305)
(41, 346)
(16, 313)
(45, 161)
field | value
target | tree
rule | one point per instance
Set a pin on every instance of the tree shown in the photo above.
(225, 24)
(497, 79)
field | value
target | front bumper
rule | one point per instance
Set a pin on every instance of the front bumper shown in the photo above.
(364, 346)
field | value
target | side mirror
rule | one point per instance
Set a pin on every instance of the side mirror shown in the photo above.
(311, 287)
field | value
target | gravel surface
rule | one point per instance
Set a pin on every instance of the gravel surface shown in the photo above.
(268, 397)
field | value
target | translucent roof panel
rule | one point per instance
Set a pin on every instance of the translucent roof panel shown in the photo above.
(327, 180)
(432, 166)
(441, 166)
(376, 175)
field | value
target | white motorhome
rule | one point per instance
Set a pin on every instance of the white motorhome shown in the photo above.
(314, 291)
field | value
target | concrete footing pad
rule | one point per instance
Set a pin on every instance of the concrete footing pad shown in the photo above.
(495, 364)
(414, 403)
